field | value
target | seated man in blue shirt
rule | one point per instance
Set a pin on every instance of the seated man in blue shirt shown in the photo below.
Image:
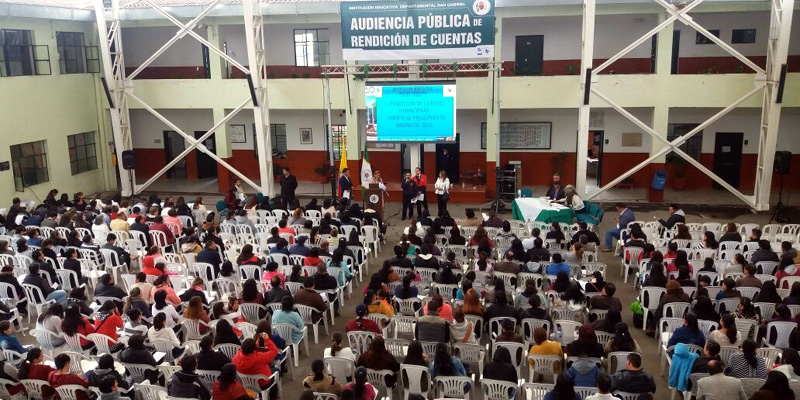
(625, 217)
(557, 266)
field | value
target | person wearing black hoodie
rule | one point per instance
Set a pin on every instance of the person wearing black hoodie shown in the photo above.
(500, 368)
(208, 359)
(186, 383)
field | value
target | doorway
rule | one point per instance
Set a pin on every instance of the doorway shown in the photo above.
(594, 158)
(728, 157)
(405, 159)
(206, 166)
(447, 159)
(173, 146)
(529, 55)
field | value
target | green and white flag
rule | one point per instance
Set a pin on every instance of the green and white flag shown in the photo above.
(366, 172)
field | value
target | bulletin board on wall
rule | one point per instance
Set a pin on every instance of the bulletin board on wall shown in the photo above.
(522, 135)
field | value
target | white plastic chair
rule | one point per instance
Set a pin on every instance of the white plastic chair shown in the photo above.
(452, 387)
(150, 392)
(34, 387)
(535, 391)
(286, 332)
(650, 296)
(229, 349)
(545, 365)
(415, 379)
(36, 299)
(778, 333)
(307, 313)
(499, 390)
(341, 368)
(378, 379)
(139, 372)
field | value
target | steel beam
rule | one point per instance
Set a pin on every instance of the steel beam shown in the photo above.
(114, 74)
(777, 53)
(584, 109)
(194, 142)
(256, 55)
(185, 29)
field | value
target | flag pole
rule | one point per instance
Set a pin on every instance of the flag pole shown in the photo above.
(330, 137)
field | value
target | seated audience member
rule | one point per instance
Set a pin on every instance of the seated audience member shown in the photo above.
(583, 372)
(586, 343)
(320, 381)
(431, 327)
(749, 279)
(746, 364)
(501, 368)
(719, 386)
(306, 296)
(186, 383)
(557, 266)
(359, 323)
(336, 349)
(676, 216)
(507, 333)
(606, 300)
(726, 335)
(62, 376)
(710, 353)
(633, 379)
(228, 386)
(731, 234)
(674, 294)
(764, 253)
(359, 389)
(689, 333)
(253, 360)
(626, 216)
(378, 358)
(603, 389)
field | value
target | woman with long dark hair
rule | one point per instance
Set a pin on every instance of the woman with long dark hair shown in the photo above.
(74, 323)
(704, 309)
(337, 350)
(726, 335)
(160, 331)
(359, 323)
(377, 357)
(561, 284)
(689, 333)
(50, 320)
(415, 355)
(791, 364)
(555, 233)
(224, 333)
(446, 365)
(775, 387)
(709, 241)
(160, 305)
(320, 381)
(359, 389)
(747, 310)
(657, 276)
(681, 259)
(247, 257)
(622, 340)
(747, 364)
(228, 387)
(768, 294)
(563, 390)
(609, 323)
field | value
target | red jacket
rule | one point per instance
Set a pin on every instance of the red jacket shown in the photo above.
(421, 182)
(234, 392)
(163, 228)
(57, 380)
(257, 362)
(40, 372)
(109, 326)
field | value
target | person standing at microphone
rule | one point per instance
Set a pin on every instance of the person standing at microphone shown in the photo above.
(409, 187)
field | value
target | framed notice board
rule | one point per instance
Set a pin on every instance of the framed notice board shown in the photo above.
(522, 135)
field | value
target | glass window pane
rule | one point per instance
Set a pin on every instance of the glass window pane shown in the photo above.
(93, 163)
(322, 35)
(90, 151)
(89, 137)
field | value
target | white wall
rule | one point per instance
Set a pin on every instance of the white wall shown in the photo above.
(743, 120)
(147, 129)
(139, 43)
(562, 35)
(726, 23)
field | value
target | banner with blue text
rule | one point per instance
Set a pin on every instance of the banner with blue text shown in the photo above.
(417, 29)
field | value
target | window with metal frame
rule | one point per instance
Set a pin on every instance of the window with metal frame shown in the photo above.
(693, 147)
(17, 53)
(740, 36)
(29, 163)
(338, 140)
(277, 133)
(311, 47)
(71, 52)
(82, 152)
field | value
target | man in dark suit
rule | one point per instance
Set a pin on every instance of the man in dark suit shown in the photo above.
(288, 186)
(409, 192)
(556, 190)
(210, 255)
(345, 185)
(123, 256)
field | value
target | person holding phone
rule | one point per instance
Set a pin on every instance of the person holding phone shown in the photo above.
(409, 187)
(421, 181)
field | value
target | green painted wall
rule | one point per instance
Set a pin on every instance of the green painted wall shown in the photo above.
(50, 108)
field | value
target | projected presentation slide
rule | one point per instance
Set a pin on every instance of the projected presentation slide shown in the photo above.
(413, 112)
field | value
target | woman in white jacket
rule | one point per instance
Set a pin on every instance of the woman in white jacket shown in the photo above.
(442, 188)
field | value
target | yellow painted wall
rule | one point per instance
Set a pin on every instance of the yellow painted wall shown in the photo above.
(51, 108)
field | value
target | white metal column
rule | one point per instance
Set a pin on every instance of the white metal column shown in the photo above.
(254, 36)
(587, 55)
(777, 52)
(114, 74)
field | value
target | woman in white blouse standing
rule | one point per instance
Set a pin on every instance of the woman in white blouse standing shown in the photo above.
(442, 188)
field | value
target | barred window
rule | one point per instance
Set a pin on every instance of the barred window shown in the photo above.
(311, 47)
(29, 162)
(82, 152)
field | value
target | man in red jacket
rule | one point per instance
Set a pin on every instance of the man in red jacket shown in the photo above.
(61, 376)
(421, 180)
(251, 360)
(159, 225)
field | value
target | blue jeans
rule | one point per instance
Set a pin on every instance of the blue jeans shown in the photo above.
(610, 235)
(58, 295)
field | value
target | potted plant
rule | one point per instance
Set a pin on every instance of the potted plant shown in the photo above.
(680, 173)
(324, 172)
(557, 161)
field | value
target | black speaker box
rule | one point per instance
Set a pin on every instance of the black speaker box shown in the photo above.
(128, 160)
(783, 162)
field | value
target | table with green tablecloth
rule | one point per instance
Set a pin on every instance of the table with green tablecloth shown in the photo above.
(539, 209)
